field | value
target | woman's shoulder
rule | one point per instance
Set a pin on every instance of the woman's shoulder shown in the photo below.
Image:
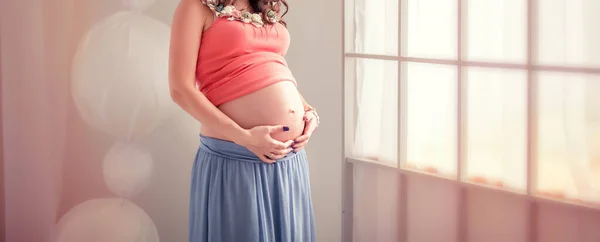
(212, 6)
(192, 13)
(199, 7)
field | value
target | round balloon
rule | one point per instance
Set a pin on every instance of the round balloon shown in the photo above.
(127, 169)
(106, 219)
(120, 75)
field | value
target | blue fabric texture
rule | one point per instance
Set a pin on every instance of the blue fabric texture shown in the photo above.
(235, 197)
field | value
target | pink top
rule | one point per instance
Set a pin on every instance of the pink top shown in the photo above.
(238, 58)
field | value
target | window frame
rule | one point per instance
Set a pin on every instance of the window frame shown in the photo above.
(461, 181)
(2, 195)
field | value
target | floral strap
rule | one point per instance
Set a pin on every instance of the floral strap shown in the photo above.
(231, 13)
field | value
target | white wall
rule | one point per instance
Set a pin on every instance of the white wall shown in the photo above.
(315, 57)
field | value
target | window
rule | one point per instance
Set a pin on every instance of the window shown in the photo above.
(504, 94)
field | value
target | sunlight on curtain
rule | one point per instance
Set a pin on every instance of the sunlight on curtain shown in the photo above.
(497, 126)
(377, 126)
(496, 31)
(372, 27)
(430, 29)
(431, 116)
(495, 99)
(376, 80)
(568, 131)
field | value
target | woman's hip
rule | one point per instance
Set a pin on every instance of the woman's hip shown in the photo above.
(237, 197)
(221, 161)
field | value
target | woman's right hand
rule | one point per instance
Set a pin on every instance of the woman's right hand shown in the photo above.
(259, 141)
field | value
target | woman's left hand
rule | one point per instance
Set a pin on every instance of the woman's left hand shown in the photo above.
(309, 127)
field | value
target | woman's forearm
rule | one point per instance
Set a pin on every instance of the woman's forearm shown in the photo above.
(197, 105)
(186, 35)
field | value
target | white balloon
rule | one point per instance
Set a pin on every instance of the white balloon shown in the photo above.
(106, 220)
(138, 5)
(127, 169)
(120, 75)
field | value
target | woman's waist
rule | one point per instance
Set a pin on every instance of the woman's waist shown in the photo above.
(230, 150)
(277, 104)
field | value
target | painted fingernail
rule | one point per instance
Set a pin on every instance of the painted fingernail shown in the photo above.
(286, 128)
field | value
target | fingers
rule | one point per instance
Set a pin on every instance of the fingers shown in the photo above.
(281, 152)
(302, 138)
(281, 145)
(308, 130)
(298, 146)
(266, 159)
(288, 143)
(272, 158)
(277, 128)
(275, 157)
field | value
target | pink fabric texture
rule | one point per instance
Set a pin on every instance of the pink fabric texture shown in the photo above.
(237, 58)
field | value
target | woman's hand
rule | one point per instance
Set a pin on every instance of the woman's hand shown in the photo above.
(309, 127)
(259, 141)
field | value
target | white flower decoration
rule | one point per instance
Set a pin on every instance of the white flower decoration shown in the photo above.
(227, 10)
(231, 13)
(256, 18)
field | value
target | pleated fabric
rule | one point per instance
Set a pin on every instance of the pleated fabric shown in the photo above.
(235, 197)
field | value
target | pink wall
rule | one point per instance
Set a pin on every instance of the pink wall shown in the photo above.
(433, 208)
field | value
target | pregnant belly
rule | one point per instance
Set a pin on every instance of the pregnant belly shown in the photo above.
(278, 104)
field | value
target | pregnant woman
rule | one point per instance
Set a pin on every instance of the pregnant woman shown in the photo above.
(250, 180)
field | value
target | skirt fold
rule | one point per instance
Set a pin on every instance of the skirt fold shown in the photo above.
(235, 197)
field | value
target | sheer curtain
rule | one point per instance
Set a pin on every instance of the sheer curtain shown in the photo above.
(494, 98)
(568, 104)
(34, 124)
(64, 175)
(376, 80)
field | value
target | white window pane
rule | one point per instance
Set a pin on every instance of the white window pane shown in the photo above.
(569, 136)
(497, 31)
(376, 131)
(431, 27)
(376, 204)
(431, 117)
(568, 32)
(372, 26)
(497, 127)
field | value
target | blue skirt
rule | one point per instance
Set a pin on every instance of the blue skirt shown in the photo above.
(235, 197)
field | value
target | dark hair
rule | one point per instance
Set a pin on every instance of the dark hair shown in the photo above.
(263, 6)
